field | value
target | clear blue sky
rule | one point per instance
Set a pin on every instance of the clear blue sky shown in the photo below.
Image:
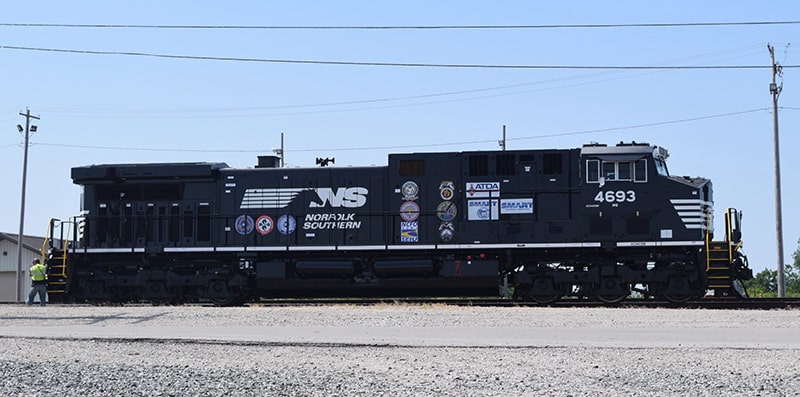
(164, 110)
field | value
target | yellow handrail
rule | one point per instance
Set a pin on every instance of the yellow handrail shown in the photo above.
(708, 243)
(46, 239)
(63, 248)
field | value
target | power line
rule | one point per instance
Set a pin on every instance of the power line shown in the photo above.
(636, 126)
(400, 27)
(140, 149)
(237, 112)
(395, 64)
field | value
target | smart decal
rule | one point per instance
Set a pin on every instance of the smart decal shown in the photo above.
(516, 206)
(482, 210)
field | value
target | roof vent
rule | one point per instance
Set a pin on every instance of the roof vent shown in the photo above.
(268, 161)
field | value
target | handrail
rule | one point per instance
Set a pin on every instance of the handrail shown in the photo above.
(729, 234)
(708, 243)
(48, 240)
(47, 235)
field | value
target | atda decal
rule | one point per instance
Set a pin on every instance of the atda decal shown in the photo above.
(483, 189)
(265, 224)
(244, 224)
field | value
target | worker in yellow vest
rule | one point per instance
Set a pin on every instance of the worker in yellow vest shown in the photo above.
(38, 283)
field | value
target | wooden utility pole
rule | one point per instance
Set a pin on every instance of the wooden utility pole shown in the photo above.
(775, 90)
(502, 142)
(28, 129)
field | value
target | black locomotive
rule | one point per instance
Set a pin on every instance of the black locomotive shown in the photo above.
(599, 222)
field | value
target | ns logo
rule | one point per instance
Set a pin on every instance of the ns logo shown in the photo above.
(348, 197)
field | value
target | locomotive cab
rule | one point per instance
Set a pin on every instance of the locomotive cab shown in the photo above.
(648, 230)
(628, 186)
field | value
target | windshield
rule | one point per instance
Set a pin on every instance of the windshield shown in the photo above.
(661, 166)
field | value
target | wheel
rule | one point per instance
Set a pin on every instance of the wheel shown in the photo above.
(545, 299)
(678, 298)
(612, 299)
(612, 290)
(219, 294)
(543, 291)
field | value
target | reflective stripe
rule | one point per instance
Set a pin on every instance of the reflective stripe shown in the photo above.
(38, 272)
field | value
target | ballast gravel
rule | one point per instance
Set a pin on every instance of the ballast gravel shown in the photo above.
(73, 366)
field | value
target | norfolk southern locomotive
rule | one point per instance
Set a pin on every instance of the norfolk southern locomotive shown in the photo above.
(597, 222)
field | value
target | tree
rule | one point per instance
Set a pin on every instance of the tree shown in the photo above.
(765, 283)
(793, 276)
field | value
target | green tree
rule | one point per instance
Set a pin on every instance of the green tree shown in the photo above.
(793, 276)
(765, 283)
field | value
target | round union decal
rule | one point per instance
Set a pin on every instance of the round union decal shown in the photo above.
(409, 211)
(410, 190)
(244, 224)
(286, 224)
(264, 224)
(446, 211)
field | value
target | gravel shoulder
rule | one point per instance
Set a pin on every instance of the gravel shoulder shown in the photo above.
(129, 361)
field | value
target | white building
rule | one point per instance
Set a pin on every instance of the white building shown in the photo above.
(31, 248)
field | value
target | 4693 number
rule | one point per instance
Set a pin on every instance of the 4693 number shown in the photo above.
(615, 196)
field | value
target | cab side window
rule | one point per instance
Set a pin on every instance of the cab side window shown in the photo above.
(597, 170)
(610, 170)
(592, 171)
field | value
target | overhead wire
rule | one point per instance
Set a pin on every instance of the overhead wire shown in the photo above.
(401, 27)
(390, 64)
(221, 113)
(392, 147)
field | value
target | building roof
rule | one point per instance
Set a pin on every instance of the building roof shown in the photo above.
(32, 243)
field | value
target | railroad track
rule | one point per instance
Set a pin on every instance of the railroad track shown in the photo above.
(716, 303)
(711, 303)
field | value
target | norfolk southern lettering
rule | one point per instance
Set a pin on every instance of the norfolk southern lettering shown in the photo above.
(331, 221)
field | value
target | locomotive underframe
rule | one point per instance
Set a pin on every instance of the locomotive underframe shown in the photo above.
(543, 276)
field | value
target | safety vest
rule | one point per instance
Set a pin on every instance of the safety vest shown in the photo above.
(38, 272)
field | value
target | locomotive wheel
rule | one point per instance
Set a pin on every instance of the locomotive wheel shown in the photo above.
(678, 298)
(219, 294)
(543, 291)
(612, 299)
(545, 299)
(678, 290)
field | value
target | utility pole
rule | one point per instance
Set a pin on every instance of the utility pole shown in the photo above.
(502, 142)
(775, 90)
(28, 129)
(279, 152)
